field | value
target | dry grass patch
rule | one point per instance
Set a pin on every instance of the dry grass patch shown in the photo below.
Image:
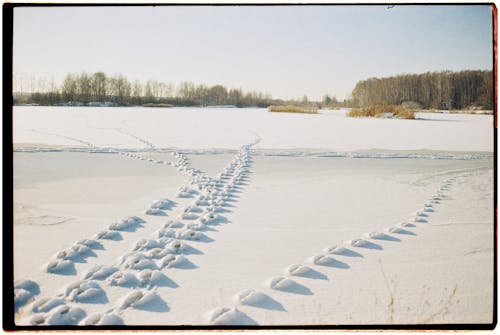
(382, 110)
(293, 109)
(161, 105)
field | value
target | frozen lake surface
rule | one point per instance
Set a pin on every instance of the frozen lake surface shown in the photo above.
(229, 128)
(195, 216)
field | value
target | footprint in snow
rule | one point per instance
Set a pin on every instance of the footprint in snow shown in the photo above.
(399, 230)
(59, 316)
(99, 272)
(288, 285)
(182, 234)
(123, 279)
(173, 261)
(44, 305)
(24, 291)
(147, 244)
(92, 244)
(85, 291)
(138, 261)
(342, 251)
(143, 300)
(361, 243)
(229, 316)
(102, 319)
(77, 253)
(154, 278)
(297, 270)
(382, 236)
(155, 211)
(109, 235)
(257, 299)
(127, 224)
(327, 260)
(60, 266)
(420, 219)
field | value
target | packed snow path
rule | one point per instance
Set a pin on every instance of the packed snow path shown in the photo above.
(145, 266)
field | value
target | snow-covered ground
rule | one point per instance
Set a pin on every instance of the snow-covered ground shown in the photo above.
(193, 216)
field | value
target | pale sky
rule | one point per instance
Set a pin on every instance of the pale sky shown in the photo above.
(287, 51)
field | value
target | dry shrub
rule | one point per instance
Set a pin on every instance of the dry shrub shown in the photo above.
(382, 110)
(293, 109)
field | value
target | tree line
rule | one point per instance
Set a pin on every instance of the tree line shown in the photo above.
(85, 89)
(432, 90)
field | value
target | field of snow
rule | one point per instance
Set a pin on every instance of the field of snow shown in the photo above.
(191, 216)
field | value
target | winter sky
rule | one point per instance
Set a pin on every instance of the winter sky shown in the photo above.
(287, 51)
